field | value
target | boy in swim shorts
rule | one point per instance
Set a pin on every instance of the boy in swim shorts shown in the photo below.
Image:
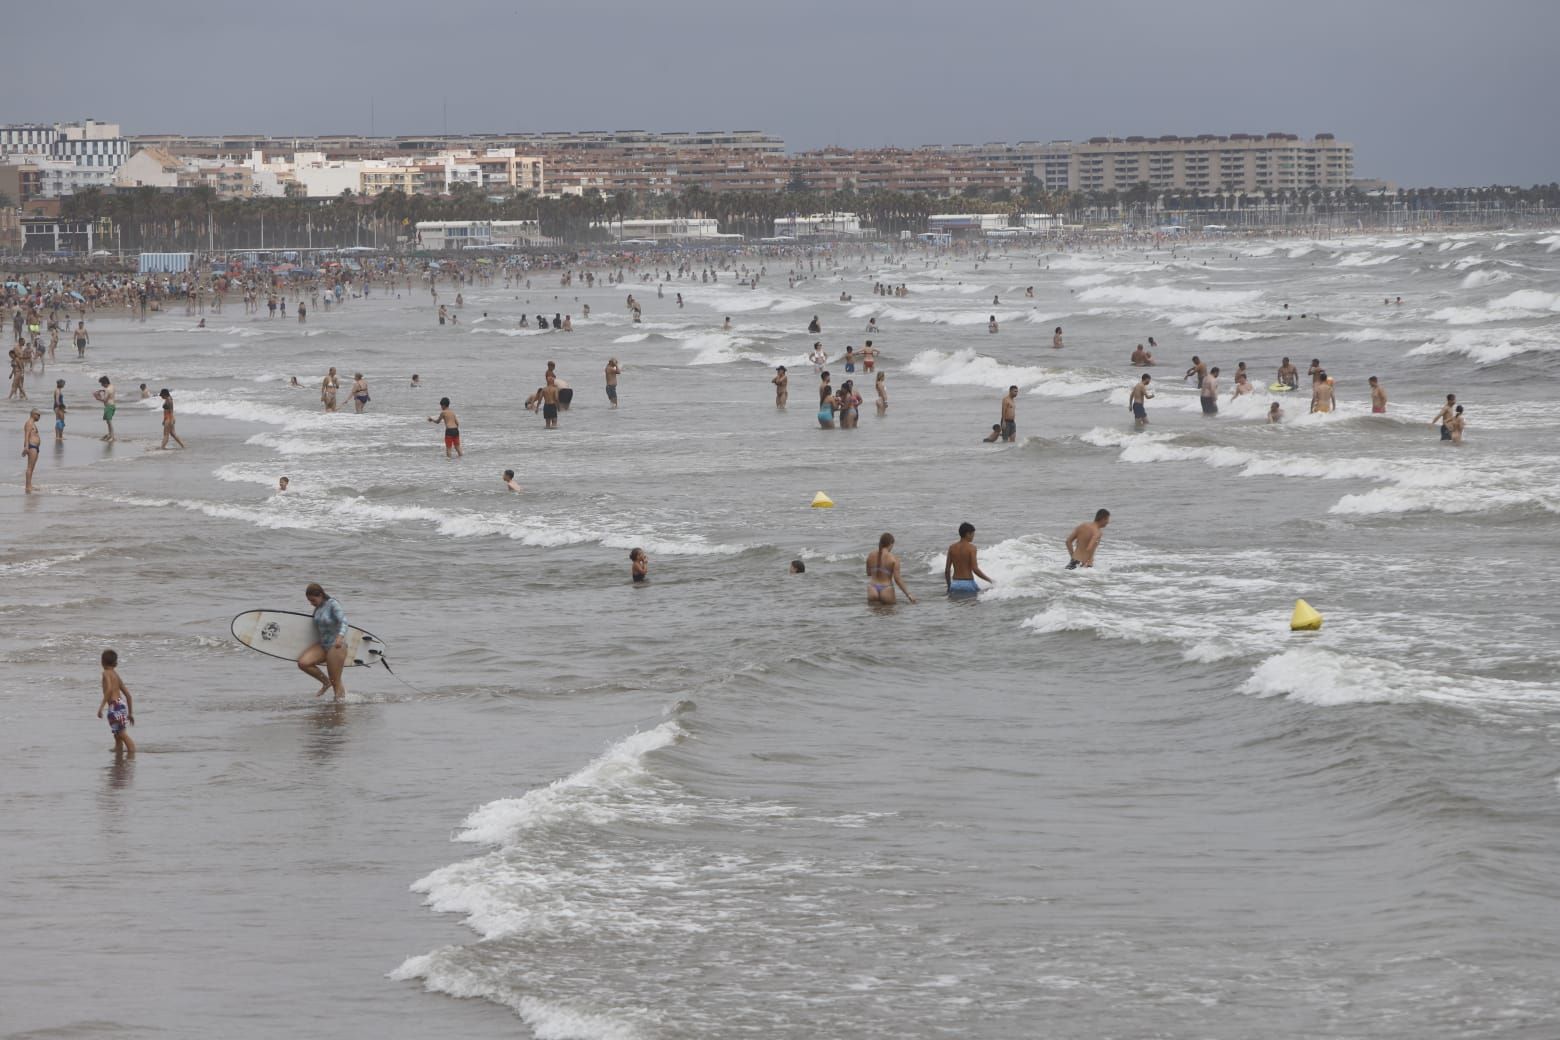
(451, 428)
(116, 701)
(961, 568)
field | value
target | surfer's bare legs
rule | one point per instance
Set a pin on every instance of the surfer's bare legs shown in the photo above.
(309, 664)
(335, 663)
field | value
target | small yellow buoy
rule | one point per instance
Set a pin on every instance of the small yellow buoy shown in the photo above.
(822, 501)
(1304, 619)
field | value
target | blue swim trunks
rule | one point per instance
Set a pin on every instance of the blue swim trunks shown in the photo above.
(963, 587)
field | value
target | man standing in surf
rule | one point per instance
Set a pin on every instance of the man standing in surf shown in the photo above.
(1444, 416)
(1085, 540)
(1010, 415)
(961, 567)
(1135, 400)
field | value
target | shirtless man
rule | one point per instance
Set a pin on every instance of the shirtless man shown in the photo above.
(613, 371)
(328, 387)
(509, 481)
(883, 573)
(782, 386)
(1210, 392)
(1085, 539)
(1445, 415)
(451, 427)
(1135, 399)
(1322, 393)
(1456, 425)
(1141, 358)
(961, 568)
(32, 444)
(1199, 369)
(1378, 397)
(1056, 339)
(550, 402)
(81, 339)
(1010, 415)
(1288, 374)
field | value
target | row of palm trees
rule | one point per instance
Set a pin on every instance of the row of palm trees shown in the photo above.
(149, 219)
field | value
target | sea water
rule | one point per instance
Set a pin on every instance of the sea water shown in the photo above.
(737, 802)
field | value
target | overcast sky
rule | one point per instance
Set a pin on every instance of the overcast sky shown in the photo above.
(1428, 91)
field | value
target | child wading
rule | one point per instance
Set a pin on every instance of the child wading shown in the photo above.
(116, 700)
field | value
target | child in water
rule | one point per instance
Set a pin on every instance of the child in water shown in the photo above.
(116, 699)
(640, 564)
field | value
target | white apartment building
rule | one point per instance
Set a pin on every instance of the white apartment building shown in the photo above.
(28, 140)
(819, 225)
(476, 234)
(92, 145)
(93, 151)
(1206, 163)
(1212, 163)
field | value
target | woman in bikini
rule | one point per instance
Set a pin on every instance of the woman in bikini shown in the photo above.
(883, 573)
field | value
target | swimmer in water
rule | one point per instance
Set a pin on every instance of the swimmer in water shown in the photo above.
(509, 481)
(639, 566)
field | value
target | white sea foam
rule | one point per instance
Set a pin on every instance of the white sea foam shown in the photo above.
(1490, 346)
(597, 793)
(443, 971)
(1524, 303)
(528, 530)
(1216, 333)
(1167, 298)
(42, 563)
(1476, 279)
(1328, 677)
(284, 445)
(967, 368)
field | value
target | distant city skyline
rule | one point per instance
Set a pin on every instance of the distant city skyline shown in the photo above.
(1422, 103)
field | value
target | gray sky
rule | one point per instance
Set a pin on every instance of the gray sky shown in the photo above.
(1428, 91)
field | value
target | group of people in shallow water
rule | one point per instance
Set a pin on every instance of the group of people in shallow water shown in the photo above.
(1286, 380)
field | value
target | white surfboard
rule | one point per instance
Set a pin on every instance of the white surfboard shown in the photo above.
(287, 633)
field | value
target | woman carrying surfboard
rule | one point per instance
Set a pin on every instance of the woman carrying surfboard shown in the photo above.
(330, 623)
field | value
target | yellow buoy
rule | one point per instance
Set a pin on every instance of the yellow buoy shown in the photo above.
(822, 501)
(1304, 619)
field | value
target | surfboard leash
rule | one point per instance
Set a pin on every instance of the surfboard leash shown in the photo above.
(380, 655)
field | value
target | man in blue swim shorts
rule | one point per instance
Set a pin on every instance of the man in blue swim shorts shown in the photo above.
(961, 568)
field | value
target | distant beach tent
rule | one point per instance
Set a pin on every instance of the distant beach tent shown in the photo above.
(166, 263)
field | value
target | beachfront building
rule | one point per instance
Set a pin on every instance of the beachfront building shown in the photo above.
(649, 163)
(61, 235)
(819, 225)
(965, 223)
(676, 229)
(476, 234)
